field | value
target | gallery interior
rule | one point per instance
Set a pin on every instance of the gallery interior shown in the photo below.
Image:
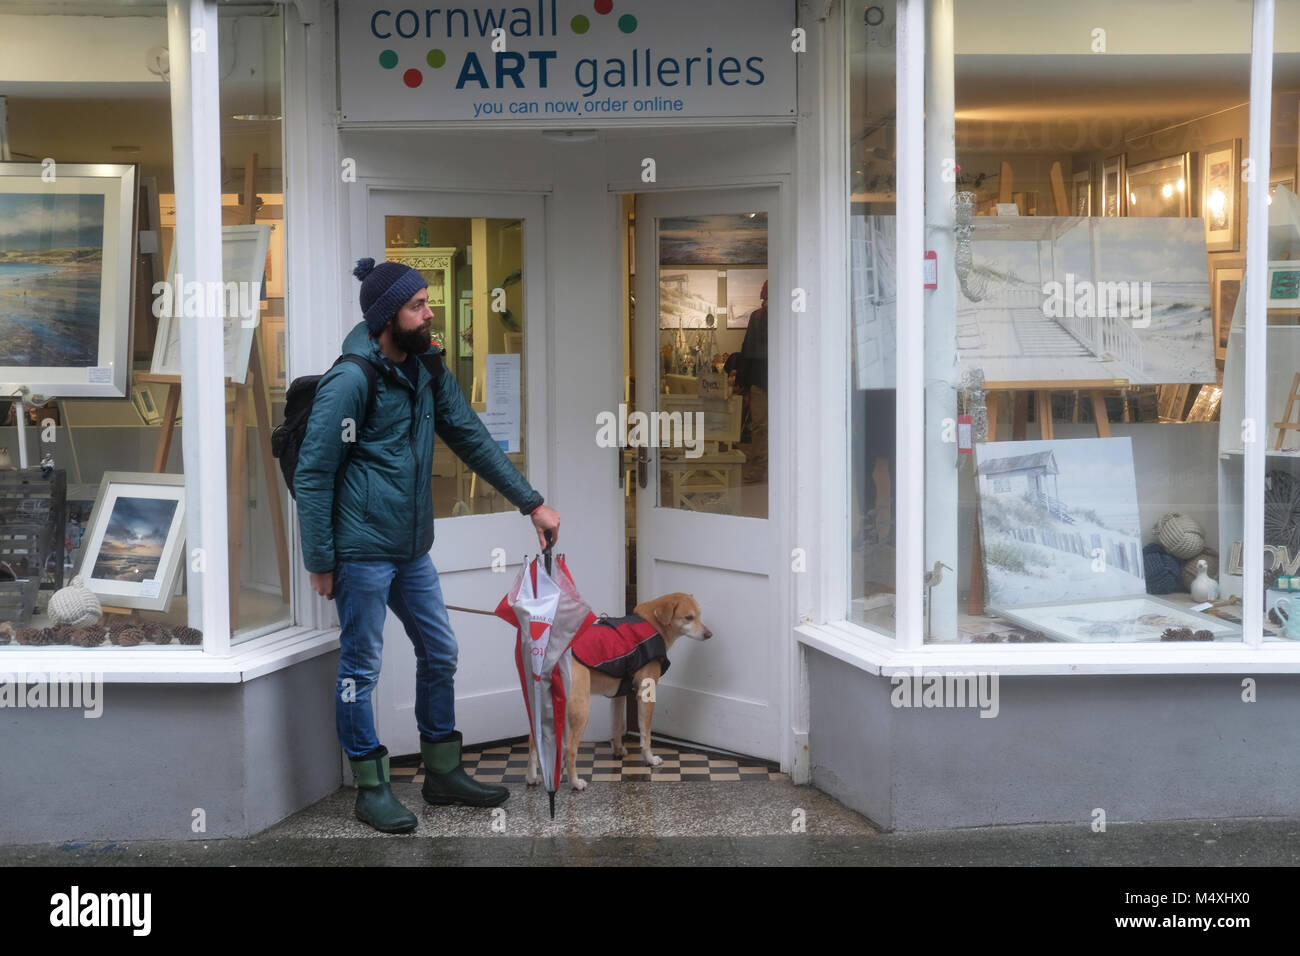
(1094, 212)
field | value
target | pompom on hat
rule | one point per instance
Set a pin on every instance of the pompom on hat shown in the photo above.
(385, 288)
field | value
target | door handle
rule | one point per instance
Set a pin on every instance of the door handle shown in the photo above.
(642, 469)
(622, 473)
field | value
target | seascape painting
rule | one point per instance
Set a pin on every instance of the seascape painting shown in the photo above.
(734, 239)
(51, 275)
(1059, 520)
(134, 539)
(1088, 299)
(689, 295)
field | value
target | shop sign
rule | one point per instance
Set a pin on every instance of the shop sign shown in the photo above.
(580, 62)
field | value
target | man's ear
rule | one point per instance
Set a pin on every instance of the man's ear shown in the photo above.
(663, 614)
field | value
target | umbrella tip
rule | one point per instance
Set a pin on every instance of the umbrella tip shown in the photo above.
(551, 794)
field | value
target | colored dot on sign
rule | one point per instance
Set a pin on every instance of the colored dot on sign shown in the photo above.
(580, 24)
(627, 23)
(412, 78)
(388, 59)
(604, 6)
(436, 58)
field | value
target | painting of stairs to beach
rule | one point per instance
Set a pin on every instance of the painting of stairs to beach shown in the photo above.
(1091, 299)
(1059, 520)
(1061, 298)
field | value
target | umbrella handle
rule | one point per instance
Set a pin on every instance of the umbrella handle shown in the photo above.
(547, 553)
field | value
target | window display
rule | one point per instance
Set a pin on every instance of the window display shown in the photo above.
(1091, 356)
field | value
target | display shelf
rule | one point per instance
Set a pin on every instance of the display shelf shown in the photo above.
(1282, 363)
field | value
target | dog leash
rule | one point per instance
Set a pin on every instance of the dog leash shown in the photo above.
(546, 554)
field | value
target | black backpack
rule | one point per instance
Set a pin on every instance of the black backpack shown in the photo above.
(286, 438)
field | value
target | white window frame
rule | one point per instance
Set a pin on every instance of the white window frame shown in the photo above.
(826, 627)
(309, 68)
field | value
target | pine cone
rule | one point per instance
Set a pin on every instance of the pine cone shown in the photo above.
(48, 636)
(1202, 635)
(156, 632)
(28, 635)
(189, 635)
(84, 636)
(6, 632)
(128, 637)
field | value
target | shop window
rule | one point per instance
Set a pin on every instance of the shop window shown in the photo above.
(1090, 239)
(254, 248)
(475, 269)
(90, 490)
(1281, 436)
(872, 344)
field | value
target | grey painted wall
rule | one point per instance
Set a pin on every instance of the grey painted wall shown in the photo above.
(1139, 747)
(247, 754)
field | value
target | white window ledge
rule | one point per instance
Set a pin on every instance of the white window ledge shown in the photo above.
(875, 654)
(175, 665)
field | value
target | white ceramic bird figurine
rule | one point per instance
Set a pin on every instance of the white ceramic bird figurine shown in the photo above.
(1204, 588)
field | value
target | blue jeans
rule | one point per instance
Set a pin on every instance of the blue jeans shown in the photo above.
(363, 590)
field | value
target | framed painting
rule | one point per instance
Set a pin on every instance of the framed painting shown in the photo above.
(243, 262)
(1284, 285)
(1220, 194)
(67, 254)
(1225, 287)
(1059, 520)
(1112, 187)
(134, 543)
(1161, 188)
(1081, 184)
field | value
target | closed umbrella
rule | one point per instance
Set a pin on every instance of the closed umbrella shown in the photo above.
(548, 613)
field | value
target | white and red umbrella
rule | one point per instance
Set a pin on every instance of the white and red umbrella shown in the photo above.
(548, 613)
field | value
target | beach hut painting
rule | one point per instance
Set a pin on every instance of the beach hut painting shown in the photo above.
(66, 247)
(1059, 520)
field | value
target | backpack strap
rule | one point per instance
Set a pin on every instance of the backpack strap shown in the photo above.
(432, 360)
(372, 374)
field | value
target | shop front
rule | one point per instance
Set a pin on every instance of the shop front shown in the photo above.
(885, 330)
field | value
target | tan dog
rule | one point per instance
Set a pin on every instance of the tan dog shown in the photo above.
(673, 616)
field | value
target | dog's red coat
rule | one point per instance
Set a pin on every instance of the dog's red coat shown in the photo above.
(619, 647)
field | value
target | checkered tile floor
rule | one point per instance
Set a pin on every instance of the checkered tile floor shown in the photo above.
(507, 763)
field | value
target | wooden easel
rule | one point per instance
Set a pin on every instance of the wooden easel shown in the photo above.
(252, 390)
(1288, 422)
(1019, 393)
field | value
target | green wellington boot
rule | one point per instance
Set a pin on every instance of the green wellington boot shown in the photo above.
(445, 780)
(376, 804)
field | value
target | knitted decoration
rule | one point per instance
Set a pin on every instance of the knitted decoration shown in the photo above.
(1161, 569)
(1211, 559)
(189, 635)
(76, 605)
(1180, 536)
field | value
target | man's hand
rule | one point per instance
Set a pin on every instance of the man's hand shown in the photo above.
(323, 584)
(546, 519)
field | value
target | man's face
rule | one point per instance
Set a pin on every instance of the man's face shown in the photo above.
(411, 324)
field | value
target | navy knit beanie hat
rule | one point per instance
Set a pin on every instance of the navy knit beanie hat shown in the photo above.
(385, 288)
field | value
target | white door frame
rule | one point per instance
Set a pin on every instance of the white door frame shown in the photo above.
(771, 556)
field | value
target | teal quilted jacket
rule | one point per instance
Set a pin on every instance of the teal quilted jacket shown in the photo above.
(376, 504)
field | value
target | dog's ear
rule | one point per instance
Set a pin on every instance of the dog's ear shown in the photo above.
(663, 612)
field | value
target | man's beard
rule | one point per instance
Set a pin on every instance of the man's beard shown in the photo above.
(415, 341)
